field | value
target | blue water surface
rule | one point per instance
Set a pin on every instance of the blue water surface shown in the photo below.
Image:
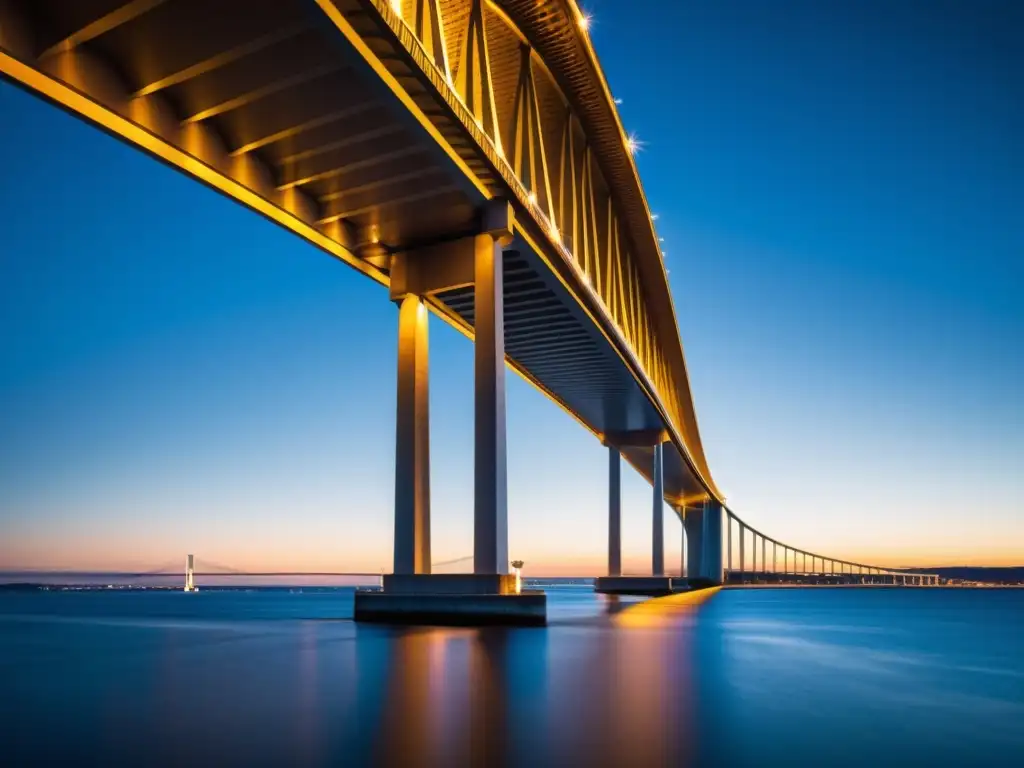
(760, 677)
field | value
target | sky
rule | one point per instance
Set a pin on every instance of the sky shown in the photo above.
(841, 191)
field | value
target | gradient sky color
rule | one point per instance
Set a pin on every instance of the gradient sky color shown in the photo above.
(841, 191)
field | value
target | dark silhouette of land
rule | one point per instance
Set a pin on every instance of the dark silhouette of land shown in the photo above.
(1006, 575)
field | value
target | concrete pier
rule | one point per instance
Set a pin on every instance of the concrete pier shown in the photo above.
(412, 440)
(658, 517)
(412, 595)
(490, 492)
(614, 511)
(451, 599)
(713, 565)
(693, 523)
(646, 586)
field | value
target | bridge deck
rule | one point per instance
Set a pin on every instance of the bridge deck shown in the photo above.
(322, 122)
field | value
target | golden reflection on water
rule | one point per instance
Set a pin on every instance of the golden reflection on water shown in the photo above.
(663, 611)
(619, 692)
(425, 708)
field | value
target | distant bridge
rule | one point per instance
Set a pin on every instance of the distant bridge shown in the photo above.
(468, 155)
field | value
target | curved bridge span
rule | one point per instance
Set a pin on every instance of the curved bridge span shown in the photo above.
(468, 155)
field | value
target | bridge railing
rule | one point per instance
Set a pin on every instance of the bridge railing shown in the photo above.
(566, 159)
(796, 561)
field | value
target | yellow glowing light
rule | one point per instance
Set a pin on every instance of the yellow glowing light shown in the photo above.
(633, 144)
(532, 197)
(663, 611)
(396, 6)
(585, 19)
(517, 566)
(555, 234)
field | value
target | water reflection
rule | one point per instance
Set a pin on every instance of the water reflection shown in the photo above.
(726, 679)
(606, 690)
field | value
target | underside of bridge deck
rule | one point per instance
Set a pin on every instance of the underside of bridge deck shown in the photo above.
(309, 113)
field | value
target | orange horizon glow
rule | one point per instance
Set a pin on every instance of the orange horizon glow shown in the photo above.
(568, 568)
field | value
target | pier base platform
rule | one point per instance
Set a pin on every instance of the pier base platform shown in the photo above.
(452, 599)
(649, 586)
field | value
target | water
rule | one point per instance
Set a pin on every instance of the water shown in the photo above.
(750, 677)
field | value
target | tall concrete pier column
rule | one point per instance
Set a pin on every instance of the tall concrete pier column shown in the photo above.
(694, 525)
(713, 560)
(684, 567)
(412, 441)
(658, 517)
(490, 492)
(614, 511)
(728, 540)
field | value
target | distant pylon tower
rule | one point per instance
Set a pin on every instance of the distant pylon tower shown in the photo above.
(190, 574)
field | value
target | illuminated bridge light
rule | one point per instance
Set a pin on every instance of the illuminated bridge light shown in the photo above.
(633, 144)
(585, 20)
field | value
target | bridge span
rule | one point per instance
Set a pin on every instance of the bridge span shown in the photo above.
(466, 154)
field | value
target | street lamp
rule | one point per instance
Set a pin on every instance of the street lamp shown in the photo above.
(517, 566)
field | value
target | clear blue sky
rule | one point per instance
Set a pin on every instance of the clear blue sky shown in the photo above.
(841, 190)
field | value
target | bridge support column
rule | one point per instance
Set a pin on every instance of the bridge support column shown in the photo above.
(713, 562)
(658, 517)
(693, 523)
(658, 583)
(490, 496)
(489, 595)
(614, 511)
(683, 565)
(728, 542)
(412, 441)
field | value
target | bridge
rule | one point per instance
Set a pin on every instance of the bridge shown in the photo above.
(469, 156)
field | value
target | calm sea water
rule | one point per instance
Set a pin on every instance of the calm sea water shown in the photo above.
(810, 677)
